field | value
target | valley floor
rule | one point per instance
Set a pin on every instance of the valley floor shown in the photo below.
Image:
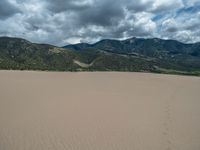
(98, 111)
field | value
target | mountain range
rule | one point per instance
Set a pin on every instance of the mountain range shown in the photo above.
(134, 54)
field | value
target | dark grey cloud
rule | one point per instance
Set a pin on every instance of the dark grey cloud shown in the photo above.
(103, 13)
(58, 6)
(138, 6)
(7, 9)
(98, 12)
(61, 22)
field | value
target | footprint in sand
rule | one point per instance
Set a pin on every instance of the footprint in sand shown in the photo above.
(166, 129)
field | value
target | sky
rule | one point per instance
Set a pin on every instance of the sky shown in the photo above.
(62, 22)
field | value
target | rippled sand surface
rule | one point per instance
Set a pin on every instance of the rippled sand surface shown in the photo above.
(98, 111)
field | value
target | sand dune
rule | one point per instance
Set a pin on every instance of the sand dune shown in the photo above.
(98, 111)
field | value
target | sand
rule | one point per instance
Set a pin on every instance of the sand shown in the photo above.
(98, 111)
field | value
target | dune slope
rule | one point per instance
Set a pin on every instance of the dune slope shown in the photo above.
(98, 111)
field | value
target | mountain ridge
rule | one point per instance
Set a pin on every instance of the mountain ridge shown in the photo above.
(134, 54)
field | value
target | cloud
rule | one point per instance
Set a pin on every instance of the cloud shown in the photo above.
(60, 22)
(154, 6)
(7, 9)
(170, 25)
(188, 3)
(182, 25)
(58, 6)
(103, 13)
(165, 5)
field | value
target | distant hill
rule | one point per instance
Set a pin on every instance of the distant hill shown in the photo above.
(165, 55)
(18, 53)
(149, 47)
(135, 54)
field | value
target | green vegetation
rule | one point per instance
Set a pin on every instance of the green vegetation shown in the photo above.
(141, 55)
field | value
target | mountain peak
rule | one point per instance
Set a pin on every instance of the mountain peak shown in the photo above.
(134, 54)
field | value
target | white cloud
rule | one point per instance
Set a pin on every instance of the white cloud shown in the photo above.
(166, 5)
(61, 22)
(189, 3)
